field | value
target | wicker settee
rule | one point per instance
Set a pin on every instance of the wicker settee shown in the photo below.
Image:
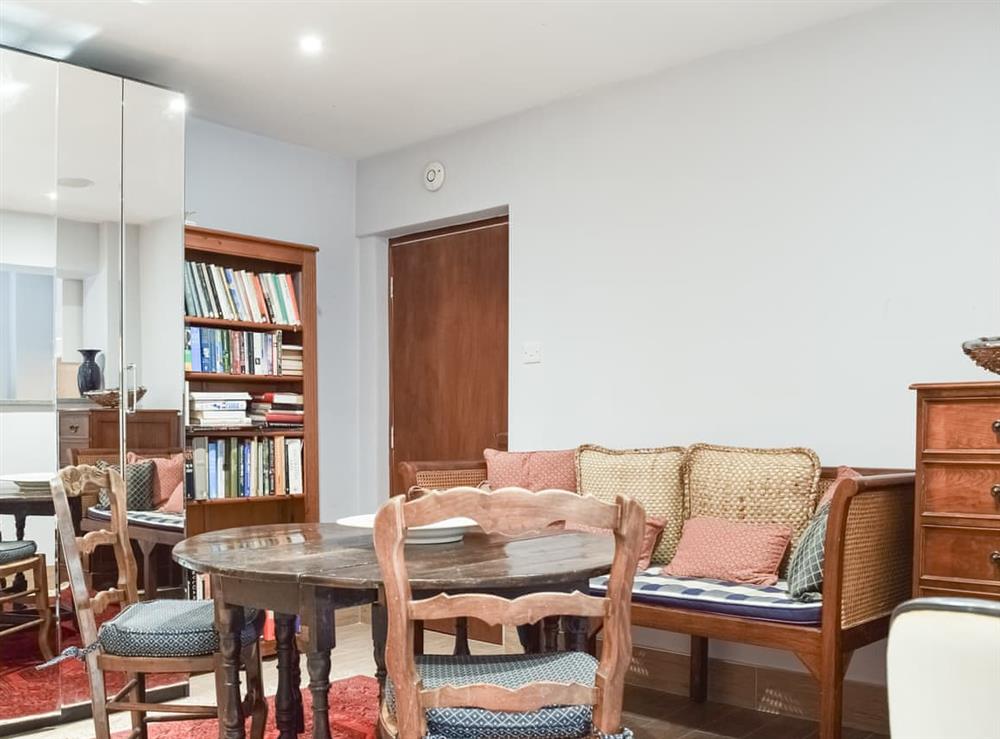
(867, 573)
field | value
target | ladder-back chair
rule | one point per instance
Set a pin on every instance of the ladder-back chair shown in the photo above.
(157, 636)
(566, 694)
(19, 558)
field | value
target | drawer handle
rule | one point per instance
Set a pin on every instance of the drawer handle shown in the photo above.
(995, 558)
(996, 426)
(74, 427)
(995, 491)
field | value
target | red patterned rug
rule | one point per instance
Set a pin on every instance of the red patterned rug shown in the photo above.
(353, 715)
(25, 691)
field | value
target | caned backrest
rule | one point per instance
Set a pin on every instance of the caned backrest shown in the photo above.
(87, 480)
(508, 512)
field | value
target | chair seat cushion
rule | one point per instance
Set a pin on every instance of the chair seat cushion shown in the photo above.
(509, 671)
(150, 519)
(168, 628)
(14, 551)
(765, 602)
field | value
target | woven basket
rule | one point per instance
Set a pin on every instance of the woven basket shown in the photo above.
(110, 399)
(985, 352)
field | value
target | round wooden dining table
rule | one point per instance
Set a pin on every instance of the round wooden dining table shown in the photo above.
(310, 570)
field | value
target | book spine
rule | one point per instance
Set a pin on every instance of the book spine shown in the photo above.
(288, 285)
(190, 307)
(234, 295)
(213, 471)
(191, 272)
(188, 350)
(200, 452)
(276, 289)
(194, 342)
(209, 289)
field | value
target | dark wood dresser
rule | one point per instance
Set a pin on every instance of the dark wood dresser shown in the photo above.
(97, 428)
(957, 534)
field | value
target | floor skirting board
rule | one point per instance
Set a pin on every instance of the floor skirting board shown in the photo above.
(767, 689)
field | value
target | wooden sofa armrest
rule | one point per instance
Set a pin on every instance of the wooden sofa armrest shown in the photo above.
(441, 475)
(868, 550)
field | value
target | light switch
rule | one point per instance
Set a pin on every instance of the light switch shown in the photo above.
(531, 352)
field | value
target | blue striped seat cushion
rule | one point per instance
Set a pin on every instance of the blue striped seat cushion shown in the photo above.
(510, 671)
(168, 628)
(765, 602)
(149, 519)
(15, 551)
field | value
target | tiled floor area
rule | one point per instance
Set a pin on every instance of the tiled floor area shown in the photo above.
(650, 714)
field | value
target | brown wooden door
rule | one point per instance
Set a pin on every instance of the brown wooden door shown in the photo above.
(448, 343)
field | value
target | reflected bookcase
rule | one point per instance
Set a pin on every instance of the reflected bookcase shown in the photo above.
(250, 371)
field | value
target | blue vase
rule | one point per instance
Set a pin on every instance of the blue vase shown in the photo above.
(88, 377)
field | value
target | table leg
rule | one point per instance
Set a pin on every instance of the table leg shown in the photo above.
(318, 618)
(229, 622)
(285, 715)
(380, 626)
(300, 716)
(20, 582)
(148, 570)
(551, 634)
(576, 630)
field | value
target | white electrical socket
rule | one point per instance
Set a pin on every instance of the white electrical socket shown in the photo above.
(531, 352)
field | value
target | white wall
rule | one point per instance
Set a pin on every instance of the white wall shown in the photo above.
(765, 247)
(242, 182)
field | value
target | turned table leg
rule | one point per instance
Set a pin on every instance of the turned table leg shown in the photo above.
(576, 630)
(229, 622)
(380, 625)
(318, 618)
(285, 713)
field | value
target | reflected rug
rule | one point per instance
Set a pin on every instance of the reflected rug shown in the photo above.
(353, 715)
(25, 691)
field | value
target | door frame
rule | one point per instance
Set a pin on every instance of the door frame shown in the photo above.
(413, 238)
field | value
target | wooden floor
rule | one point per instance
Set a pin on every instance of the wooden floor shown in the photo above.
(650, 714)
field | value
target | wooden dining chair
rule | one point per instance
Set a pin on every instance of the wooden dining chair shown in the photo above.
(565, 694)
(18, 558)
(154, 636)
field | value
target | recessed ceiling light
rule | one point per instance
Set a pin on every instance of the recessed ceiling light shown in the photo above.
(75, 182)
(178, 104)
(310, 44)
(52, 195)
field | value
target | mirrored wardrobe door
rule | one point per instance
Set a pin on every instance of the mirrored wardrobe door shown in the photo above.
(28, 98)
(153, 327)
(88, 271)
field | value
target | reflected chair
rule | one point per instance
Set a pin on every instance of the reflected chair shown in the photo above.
(564, 694)
(156, 636)
(18, 558)
(943, 669)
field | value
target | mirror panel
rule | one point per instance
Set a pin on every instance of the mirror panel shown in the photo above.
(153, 208)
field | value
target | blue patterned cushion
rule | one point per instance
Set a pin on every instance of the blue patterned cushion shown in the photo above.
(766, 602)
(149, 519)
(12, 551)
(167, 628)
(510, 671)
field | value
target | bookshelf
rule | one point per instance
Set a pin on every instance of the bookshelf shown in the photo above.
(239, 258)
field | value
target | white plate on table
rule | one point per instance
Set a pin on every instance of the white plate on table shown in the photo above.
(443, 532)
(29, 481)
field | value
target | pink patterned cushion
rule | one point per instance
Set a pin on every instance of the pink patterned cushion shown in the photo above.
(175, 503)
(843, 473)
(168, 474)
(730, 550)
(531, 470)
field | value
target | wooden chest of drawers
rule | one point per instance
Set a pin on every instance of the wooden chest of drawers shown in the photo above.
(957, 534)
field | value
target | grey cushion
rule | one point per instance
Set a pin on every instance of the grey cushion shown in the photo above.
(138, 485)
(167, 628)
(13, 551)
(510, 671)
(805, 570)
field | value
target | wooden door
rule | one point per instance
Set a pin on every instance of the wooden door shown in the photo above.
(448, 343)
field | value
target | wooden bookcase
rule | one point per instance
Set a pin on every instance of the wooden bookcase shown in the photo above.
(260, 255)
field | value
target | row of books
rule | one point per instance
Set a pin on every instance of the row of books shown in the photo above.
(235, 352)
(214, 410)
(245, 468)
(211, 291)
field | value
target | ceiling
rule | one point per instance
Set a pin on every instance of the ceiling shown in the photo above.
(392, 73)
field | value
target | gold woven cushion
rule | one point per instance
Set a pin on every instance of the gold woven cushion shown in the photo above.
(651, 476)
(755, 485)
